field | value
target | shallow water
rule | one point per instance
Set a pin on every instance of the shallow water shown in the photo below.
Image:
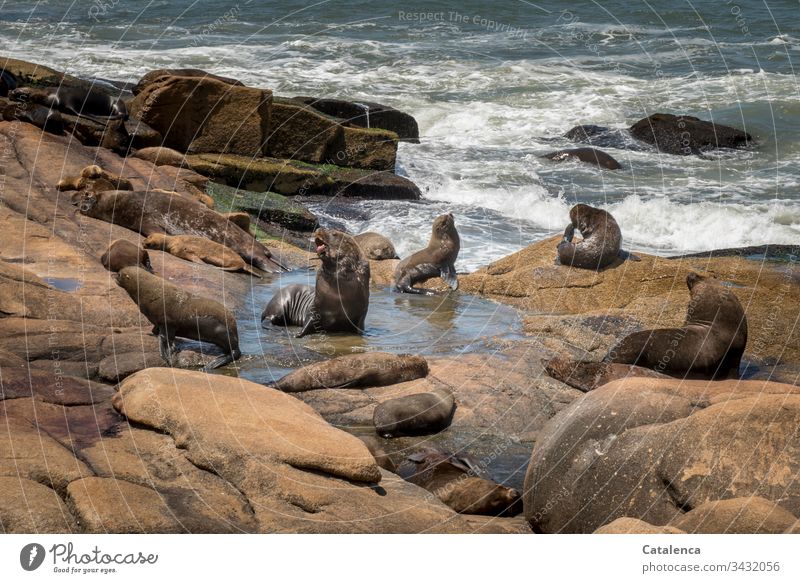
(67, 284)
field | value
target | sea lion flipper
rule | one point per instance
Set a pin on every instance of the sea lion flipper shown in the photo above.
(628, 255)
(448, 274)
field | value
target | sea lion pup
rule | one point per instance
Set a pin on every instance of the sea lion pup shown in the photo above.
(709, 345)
(590, 155)
(601, 243)
(438, 258)
(83, 102)
(456, 480)
(174, 312)
(419, 414)
(198, 250)
(375, 246)
(158, 212)
(371, 369)
(122, 253)
(94, 178)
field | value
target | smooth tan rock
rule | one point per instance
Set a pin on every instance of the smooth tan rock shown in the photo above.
(626, 525)
(751, 515)
(31, 508)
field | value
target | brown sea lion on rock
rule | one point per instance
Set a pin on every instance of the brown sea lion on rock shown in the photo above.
(601, 243)
(437, 259)
(161, 156)
(587, 376)
(198, 250)
(81, 101)
(709, 345)
(375, 246)
(157, 212)
(371, 369)
(242, 220)
(419, 414)
(176, 313)
(94, 178)
(455, 480)
(590, 155)
(122, 253)
(42, 117)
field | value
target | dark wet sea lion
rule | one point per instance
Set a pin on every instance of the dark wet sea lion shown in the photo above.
(375, 246)
(341, 293)
(590, 155)
(199, 250)
(709, 345)
(8, 82)
(456, 480)
(293, 305)
(122, 253)
(176, 313)
(601, 243)
(419, 414)
(160, 212)
(587, 376)
(437, 259)
(371, 369)
(83, 102)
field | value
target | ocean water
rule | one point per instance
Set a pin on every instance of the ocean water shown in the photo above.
(494, 86)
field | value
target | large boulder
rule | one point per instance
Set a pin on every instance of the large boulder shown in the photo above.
(655, 449)
(684, 135)
(368, 114)
(202, 114)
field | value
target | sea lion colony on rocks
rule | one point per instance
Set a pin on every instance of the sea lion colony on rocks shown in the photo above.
(710, 343)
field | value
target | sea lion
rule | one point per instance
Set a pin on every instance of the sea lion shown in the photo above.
(590, 155)
(419, 414)
(293, 305)
(587, 376)
(161, 156)
(375, 246)
(82, 102)
(174, 312)
(122, 253)
(371, 369)
(709, 345)
(242, 220)
(601, 243)
(198, 250)
(157, 212)
(438, 258)
(341, 293)
(42, 117)
(94, 178)
(456, 480)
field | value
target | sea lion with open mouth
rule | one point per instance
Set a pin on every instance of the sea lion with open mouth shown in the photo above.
(437, 259)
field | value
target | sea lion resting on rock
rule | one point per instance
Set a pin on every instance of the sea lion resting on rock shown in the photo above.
(590, 155)
(371, 369)
(419, 414)
(94, 178)
(199, 250)
(341, 293)
(94, 105)
(158, 212)
(242, 220)
(375, 246)
(709, 345)
(174, 312)
(438, 258)
(161, 156)
(122, 253)
(455, 480)
(601, 243)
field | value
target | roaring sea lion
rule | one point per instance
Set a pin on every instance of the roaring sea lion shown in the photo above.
(437, 259)
(601, 243)
(198, 250)
(590, 155)
(456, 480)
(293, 305)
(375, 246)
(94, 178)
(83, 102)
(174, 312)
(419, 414)
(122, 253)
(371, 369)
(158, 212)
(709, 345)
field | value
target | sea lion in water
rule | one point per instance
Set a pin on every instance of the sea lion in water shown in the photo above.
(601, 243)
(437, 259)
(419, 414)
(174, 312)
(94, 178)
(371, 369)
(456, 480)
(158, 212)
(709, 345)
(375, 246)
(293, 305)
(199, 250)
(590, 155)
(94, 105)
(122, 253)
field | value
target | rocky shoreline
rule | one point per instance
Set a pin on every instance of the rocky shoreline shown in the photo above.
(100, 437)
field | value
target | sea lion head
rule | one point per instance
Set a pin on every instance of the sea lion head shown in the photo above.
(85, 201)
(93, 171)
(580, 215)
(693, 279)
(337, 250)
(20, 94)
(444, 227)
(155, 241)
